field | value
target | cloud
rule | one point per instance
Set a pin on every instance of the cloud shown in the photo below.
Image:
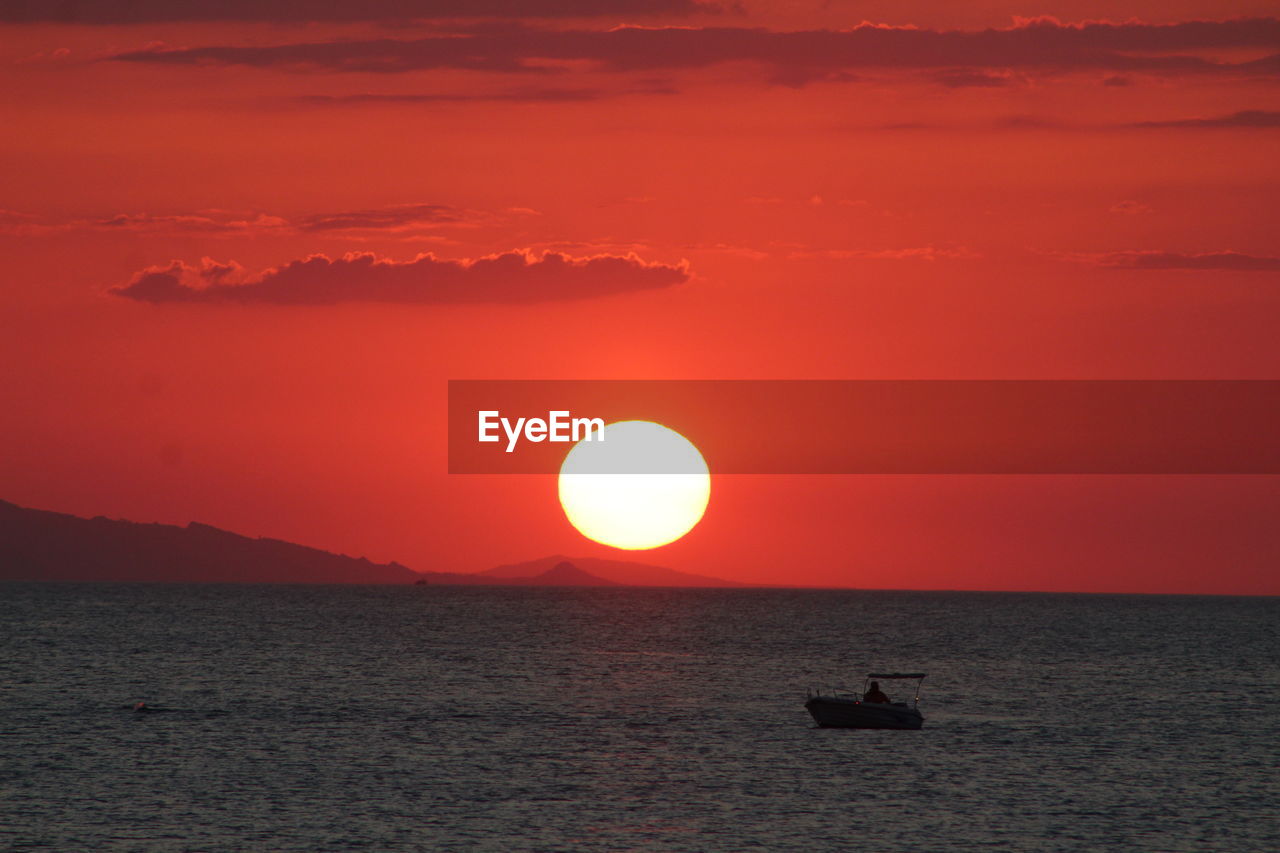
(1025, 122)
(208, 222)
(1260, 119)
(1042, 44)
(402, 217)
(1157, 260)
(305, 11)
(914, 253)
(1267, 65)
(528, 95)
(1006, 122)
(960, 78)
(511, 277)
(394, 219)
(1242, 120)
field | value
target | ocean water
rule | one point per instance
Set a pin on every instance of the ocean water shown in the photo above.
(433, 718)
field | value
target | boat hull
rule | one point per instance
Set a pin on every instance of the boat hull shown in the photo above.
(835, 712)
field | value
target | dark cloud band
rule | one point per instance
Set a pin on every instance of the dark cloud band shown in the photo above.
(302, 11)
(794, 57)
(1257, 119)
(512, 277)
(1154, 260)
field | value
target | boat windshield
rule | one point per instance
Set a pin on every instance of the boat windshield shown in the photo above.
(917, 677)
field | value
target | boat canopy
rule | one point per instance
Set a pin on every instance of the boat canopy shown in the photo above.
(889, 675)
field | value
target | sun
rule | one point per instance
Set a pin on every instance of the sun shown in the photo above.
(643, 486)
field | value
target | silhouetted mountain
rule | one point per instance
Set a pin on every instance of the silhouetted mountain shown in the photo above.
(565, 573)
(622, 572)
(52, 546)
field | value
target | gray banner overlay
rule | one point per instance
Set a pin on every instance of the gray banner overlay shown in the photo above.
(883, 426)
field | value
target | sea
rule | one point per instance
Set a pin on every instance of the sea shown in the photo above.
(327, 718)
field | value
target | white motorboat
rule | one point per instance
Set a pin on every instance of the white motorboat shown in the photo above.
(840, 707)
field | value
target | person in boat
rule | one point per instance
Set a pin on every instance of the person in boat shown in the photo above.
(875, 695)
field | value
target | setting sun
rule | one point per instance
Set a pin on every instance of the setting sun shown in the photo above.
(644, 486)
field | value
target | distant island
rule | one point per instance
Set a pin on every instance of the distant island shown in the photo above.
(619, 572)
(38, 545)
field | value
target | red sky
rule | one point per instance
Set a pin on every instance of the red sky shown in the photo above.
(859, 190)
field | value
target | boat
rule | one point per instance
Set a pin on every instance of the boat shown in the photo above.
(840, 707)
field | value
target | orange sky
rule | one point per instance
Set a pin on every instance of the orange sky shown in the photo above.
(926, 199)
